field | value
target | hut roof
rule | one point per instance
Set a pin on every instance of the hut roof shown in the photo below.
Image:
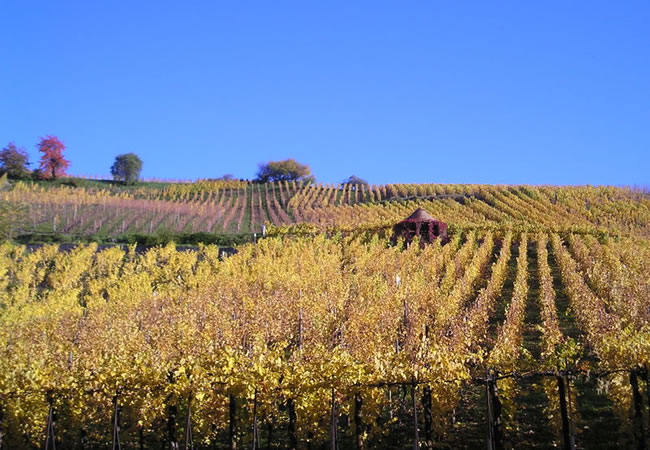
(419, 215)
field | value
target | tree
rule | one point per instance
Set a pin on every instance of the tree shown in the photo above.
(127, 167)
(287, 170)
(14, 161)
(53, 164)
(356, 181)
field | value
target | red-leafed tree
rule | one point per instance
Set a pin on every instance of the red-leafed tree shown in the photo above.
(53, 164)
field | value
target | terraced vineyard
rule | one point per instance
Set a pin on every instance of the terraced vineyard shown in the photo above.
(240, 207)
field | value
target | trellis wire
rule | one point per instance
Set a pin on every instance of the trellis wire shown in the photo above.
(490, 380)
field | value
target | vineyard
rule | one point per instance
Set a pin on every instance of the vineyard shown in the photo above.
(529, 329)
(300, 342)
(235, 207)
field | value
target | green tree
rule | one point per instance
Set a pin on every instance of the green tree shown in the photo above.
(355, 180)
(287, 170)
(127, 168)
(14, 161)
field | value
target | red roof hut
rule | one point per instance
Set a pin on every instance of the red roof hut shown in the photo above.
(421, 224)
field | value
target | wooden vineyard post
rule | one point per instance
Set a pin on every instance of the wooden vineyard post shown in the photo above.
(232, 430)
(569, 443)
(293, 440)
(83, 439)
(644, 375)
(416, 437)
(300, 328)
(428, 417)
(50, 439)
(269, 436)
(172, 411)
(256, 438)
(116, 423)
(494, 414)
(639, 432)
(358, 420)
(189, 443)
(1, 426)
(141, 437)
(333, 424)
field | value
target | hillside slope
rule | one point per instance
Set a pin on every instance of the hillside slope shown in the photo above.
(240, 207)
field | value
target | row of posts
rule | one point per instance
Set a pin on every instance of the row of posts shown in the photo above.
(495, 439)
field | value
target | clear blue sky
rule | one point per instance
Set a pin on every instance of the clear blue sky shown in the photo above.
(556, 92)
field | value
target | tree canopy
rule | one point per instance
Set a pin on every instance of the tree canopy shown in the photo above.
(287, 170)
(53, 164)
(14, 161)
(355, 180)
(127, 167)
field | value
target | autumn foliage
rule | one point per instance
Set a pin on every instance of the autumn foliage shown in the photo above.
(53, 164)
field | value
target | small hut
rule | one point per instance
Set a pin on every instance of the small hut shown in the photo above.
(421, 224)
